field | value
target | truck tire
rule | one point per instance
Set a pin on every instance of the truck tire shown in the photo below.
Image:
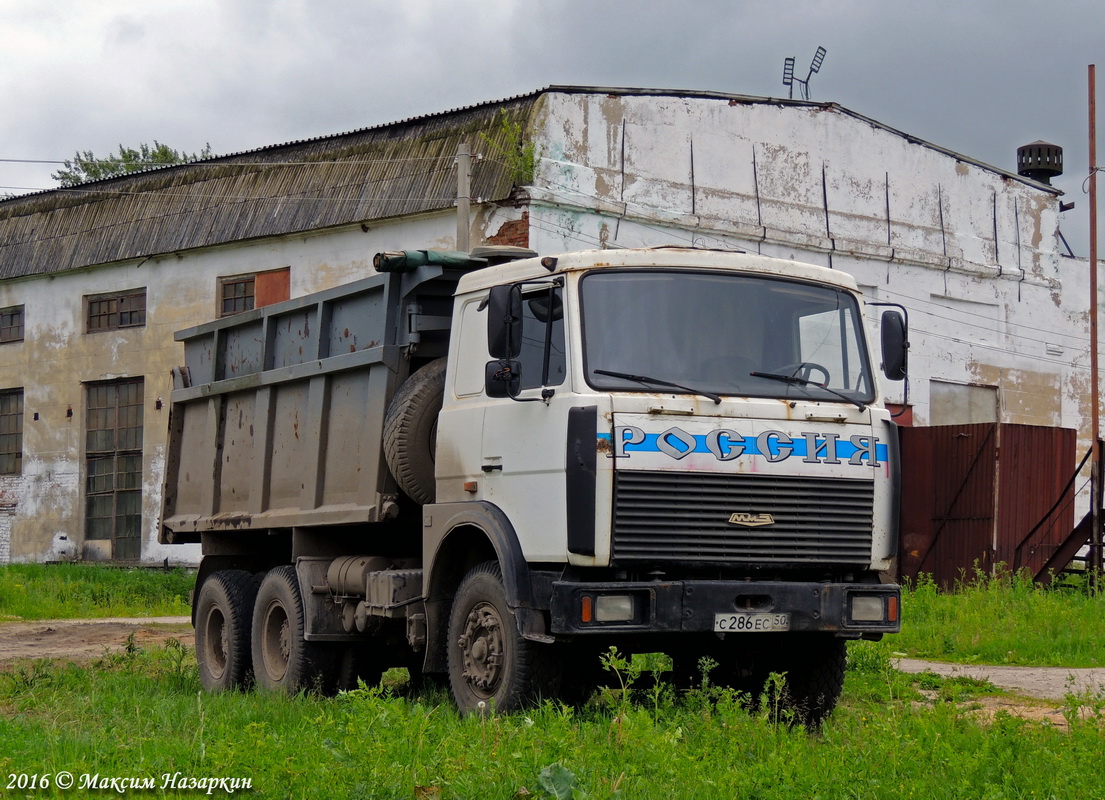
(224, 617)
(491, 667)
(282, 659)
(410, 431)
(814, 670)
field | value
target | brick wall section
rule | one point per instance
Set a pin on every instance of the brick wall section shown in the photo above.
(11, 488)
(515, 232)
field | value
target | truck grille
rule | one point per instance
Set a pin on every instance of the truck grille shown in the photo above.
(684, 517)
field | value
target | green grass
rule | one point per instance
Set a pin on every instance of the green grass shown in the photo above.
(142, 714)
(1003, 619)
(72, 591)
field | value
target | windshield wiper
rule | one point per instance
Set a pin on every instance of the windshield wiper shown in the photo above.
(804, 382)
(658, 382)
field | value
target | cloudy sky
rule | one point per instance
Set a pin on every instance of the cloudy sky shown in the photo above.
(977, 76)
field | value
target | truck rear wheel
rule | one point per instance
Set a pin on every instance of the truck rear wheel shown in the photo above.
(489, 661)
(224, 616)
(282, 659)
(410, 431)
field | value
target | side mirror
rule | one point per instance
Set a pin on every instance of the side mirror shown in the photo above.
(895, 346)
(502, 378)
(504, 322)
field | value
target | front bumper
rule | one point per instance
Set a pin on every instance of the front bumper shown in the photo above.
(694, 605)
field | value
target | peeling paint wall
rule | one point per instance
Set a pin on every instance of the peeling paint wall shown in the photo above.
(970, 251)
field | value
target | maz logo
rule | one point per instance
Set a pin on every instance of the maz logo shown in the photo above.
(751, 520)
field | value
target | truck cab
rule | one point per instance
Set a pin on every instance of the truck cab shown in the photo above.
(687, 446)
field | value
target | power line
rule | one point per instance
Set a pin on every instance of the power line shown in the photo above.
(569, 191)
(566, 193)
(213, 162)
(917, 301)
(201, 196)
(554, 228)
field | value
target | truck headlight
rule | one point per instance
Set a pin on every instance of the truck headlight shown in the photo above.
(868, 608)
(614, 608)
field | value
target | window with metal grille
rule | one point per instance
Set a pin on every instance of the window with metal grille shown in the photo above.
(236, 294)
(11, 324)
(11, 432)
(113, 453)
(244, 292)
(109, 312)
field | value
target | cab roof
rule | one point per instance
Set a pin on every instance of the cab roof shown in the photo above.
(651, 257)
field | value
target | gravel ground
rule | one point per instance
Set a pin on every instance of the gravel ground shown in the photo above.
(1051, 683)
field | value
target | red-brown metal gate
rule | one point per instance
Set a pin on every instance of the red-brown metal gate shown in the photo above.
(983, 495)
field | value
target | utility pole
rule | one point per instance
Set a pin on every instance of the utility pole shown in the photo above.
(464, 199)
(1095, 473)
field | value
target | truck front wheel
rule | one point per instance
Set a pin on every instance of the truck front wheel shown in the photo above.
(814, 667)
(282, 659)
(224, 614)
(491, 667)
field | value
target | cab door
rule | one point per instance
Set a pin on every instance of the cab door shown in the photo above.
(524, 439)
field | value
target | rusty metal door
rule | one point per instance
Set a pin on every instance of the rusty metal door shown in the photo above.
(980, 495)
(948, 500)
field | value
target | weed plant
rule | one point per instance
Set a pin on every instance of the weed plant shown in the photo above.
(1003, 618)
(141, 714)
(70, 591)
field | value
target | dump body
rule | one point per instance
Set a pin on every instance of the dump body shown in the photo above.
(277, 414)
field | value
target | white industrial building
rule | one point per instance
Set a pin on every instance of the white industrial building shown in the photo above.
(94, 281)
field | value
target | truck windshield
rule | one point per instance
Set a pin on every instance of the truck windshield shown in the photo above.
(712, 332)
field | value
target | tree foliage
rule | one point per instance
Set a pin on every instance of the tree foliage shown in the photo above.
(85, 167)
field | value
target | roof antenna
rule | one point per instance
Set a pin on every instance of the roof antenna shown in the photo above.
(788, 73)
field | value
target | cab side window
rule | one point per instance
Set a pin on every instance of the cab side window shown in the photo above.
(542, 331)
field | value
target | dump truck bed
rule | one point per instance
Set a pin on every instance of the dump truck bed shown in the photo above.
(277, 414)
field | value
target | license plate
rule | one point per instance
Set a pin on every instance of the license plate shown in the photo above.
(751, 622)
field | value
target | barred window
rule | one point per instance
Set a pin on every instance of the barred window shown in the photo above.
(11, 324)
(240, 293)
(11, 432)
(236, 294)
(113, 453)
(109, 312)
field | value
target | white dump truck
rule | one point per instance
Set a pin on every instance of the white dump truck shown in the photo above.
(494, 466)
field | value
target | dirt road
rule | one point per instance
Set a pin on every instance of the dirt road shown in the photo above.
(1050, 683)
(81, 640)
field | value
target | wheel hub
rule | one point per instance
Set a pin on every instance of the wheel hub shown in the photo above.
(276, 643)
(218, 644)
(482, 647)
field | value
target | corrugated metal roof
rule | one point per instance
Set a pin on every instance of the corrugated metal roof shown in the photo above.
(398, 168)
(387, 171)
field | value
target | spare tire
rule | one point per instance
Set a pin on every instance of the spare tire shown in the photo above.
(410, 431)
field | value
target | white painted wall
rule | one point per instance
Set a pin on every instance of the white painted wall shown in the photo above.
(971, 252)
